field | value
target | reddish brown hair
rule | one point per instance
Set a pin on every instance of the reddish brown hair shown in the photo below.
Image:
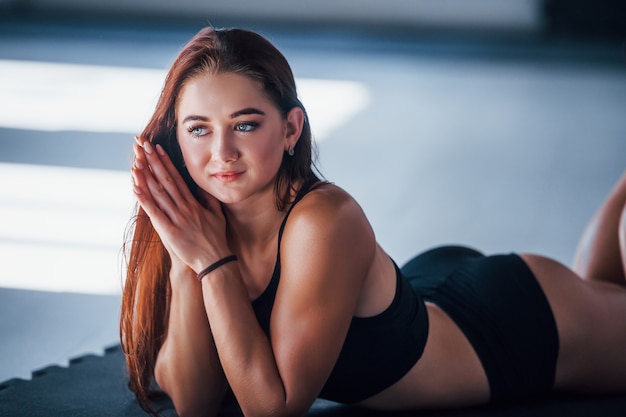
(143, 322)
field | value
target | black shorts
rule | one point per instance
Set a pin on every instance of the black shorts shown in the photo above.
(498, 304)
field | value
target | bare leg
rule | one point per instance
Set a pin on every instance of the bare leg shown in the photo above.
(601, 252)
(591, 323)
(622, 238)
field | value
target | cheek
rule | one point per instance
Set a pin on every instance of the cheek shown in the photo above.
(273, 148)
(271, 157)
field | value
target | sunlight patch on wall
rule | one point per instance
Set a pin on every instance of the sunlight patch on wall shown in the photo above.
(62, 229)
(55, 97)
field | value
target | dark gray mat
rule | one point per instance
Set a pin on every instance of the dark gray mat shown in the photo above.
(96, 386)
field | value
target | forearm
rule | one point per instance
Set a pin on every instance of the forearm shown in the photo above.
(188, 368)
(244, 350)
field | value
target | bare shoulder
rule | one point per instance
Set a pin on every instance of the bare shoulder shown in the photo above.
(328, 234)
(329, 209)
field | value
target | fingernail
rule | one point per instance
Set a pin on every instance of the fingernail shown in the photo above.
(147, 147)
(138, 165)
(160, 150)
(136, 189)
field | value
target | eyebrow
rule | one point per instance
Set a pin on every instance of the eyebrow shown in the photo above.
(247, 110)
(194, 118)
(242, 112)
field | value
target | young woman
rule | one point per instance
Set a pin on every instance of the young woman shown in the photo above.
(246, 273)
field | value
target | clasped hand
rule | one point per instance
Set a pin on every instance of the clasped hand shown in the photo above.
(193, 233)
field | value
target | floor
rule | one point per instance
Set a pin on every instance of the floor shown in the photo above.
(501, 143)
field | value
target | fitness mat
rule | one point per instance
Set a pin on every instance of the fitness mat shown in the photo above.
(94, 386)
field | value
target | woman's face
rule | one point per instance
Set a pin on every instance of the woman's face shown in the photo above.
(232, 136)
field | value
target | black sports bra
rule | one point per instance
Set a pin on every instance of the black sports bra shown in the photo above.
(378, 350)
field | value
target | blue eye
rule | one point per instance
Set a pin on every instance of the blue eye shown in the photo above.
(196, 131)
(246, 126)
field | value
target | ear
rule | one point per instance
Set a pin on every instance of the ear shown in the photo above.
(295, 122)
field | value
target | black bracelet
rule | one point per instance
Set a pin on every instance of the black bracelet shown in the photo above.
(216, 265)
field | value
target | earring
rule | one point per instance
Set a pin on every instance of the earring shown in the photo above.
(291, 151)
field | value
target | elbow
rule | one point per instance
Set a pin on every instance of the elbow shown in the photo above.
(273, 408)
(194, 410)
(195, 404)
(188, 401)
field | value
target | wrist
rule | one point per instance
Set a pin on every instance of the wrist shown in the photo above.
(209, 257)
(220, 263)
(182, 278)
(180, 268)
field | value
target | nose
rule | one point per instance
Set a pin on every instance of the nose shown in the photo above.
(224, 148)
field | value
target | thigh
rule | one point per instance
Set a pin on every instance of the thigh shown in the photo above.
(591, 322)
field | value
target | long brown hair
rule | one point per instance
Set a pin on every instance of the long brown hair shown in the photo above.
(143, 322)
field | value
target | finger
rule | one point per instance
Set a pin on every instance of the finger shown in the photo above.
(166, 186)
(143, 194)
(176, 202)
(139, 167)
(175, 173)
(168, 181)
(163, 196)
(160, 221)
(157, 204)
(139, 161)
(139, 177)
(145, 181)
(138, 150)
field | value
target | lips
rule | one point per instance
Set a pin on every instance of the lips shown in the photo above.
(227, 176)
